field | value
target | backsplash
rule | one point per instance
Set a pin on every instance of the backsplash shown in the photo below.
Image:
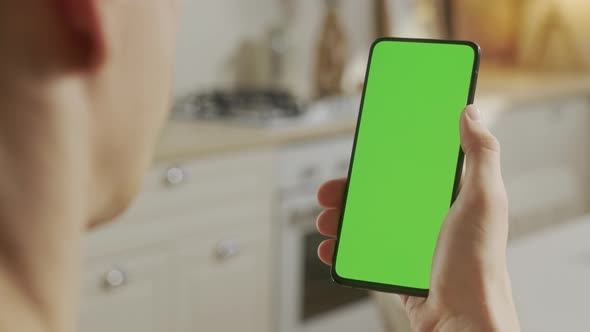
(212, 32)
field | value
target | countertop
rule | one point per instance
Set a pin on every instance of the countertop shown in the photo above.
(497, 89)
(181, 140)
(517, 85)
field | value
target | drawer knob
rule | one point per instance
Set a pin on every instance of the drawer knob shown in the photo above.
(115, 278)
(226, 250)
(175, 176)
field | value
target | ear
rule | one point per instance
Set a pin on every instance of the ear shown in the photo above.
(86, 32)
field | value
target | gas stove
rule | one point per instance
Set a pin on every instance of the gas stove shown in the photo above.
(249, 107)
(263, 109)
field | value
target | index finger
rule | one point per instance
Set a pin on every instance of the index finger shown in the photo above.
(331, 193)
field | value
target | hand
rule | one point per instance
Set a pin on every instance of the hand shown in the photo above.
(470, 287)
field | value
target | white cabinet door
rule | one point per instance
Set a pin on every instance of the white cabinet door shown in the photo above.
(126, 294)
(225, 284)
(545, 159)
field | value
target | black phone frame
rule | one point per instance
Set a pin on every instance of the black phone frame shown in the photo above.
(470, 100)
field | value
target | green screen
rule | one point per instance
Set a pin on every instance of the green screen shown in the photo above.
(405, 161)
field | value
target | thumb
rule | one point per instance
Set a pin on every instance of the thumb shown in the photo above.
(482, 151)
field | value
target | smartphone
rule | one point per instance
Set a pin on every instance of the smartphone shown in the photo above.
(406, 162)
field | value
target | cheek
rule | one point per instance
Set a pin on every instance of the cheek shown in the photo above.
(175, 7)
(142, 52)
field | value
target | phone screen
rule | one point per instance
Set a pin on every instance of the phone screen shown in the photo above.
(405, 164)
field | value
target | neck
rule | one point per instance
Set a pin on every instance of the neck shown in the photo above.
(42, 201)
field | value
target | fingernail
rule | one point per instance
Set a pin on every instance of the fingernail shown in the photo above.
(473, 113)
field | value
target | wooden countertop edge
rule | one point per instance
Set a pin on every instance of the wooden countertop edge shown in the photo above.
(257, 139)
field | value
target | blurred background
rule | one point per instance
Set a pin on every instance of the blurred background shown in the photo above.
(223, 236)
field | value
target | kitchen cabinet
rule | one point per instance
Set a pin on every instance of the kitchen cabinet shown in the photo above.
(191, 254)
(545, 160)
(195, 252)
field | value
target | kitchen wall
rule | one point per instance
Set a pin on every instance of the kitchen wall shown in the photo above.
(212, 32)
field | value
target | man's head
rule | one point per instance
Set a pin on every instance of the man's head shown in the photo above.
(108, 63)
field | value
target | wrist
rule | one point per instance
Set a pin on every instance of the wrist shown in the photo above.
(472, 324)
(496, 316)
(492, 309)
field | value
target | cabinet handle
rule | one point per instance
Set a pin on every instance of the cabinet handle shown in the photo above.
(343, 167)
(175, 175)
(309, 173)
(115, 278)
(226, 250)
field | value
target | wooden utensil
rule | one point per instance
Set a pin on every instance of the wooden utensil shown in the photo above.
(494, 25)
(331, 54)
(382, 18)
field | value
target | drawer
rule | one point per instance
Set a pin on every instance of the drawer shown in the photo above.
(105, 275)
(221, 246)
(253, 212)
(176, 188)
(549, 133)
(250, 161)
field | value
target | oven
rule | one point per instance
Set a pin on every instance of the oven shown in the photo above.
(308, 300)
